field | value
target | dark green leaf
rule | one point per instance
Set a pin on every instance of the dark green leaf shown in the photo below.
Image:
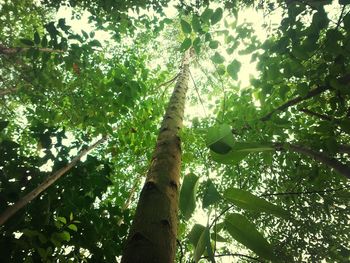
(188, 195)
(219, 138)
(95, 43)
(211, 195)
(36, 38)
(196, 24)
(246, 233)
(232, 157)
(206, 15)
(246, 200)
(195, 234)
(213, 44)
(216, 16)
(186, 27)
(186, 44)
(233, 68)
(203, 243)
(3, 125)
(217, 58)
(27, 42)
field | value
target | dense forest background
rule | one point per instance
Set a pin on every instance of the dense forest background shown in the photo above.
(84, 86)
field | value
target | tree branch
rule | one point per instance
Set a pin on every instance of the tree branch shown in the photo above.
(234, 255)
(306, 192)
(16, 50)
(292, 102)
(318, 115)
(318, 156)
(10, 211)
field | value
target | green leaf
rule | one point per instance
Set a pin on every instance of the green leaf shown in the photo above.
(186, 44)
(252, 147)
(221, 70)
(233, 68)
(197, 45)
(196, 24)
(232, 157)
(213, 44)
(36, 38)
(186, 27)
(95, 43)
(219, 138)
(211, 195)
(195, 234)
(246, 233)
(217, 58)
(73, 227)
(203, 243)
(27, 42)
(248, 201)
(188, 195)
(64, 236)
(3, 125)
(62, 219)
(206, 15)
(216, 16)
(44, 41)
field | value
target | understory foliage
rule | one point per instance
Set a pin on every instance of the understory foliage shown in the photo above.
(265, 165)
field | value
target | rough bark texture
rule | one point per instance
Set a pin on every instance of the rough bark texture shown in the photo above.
(10, 211)
(16, 50)
(152, 237)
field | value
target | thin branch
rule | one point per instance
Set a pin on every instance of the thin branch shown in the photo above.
(10, 211)
(8, 91)
(316, 114)
(294, 101)
(16, 50)
(344, 148)
(306, 192)
(312, 93)
(318, 156)
(181, 250)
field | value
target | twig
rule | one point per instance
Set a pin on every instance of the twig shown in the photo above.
(199, 96)
(234, 255)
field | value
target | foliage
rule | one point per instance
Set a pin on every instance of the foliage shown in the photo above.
(244, 194)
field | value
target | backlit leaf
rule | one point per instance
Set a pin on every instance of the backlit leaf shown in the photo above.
(246, 233)
(188, 195)
(216, 16)
(185, 26)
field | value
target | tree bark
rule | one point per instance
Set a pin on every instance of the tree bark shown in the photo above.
(10, 211)
(16, 50)
(319, 157)
(152, 237)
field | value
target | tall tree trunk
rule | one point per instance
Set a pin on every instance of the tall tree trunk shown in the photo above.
(152, 237)
(10, 211)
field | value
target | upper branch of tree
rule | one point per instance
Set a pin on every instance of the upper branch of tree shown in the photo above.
(16, 50)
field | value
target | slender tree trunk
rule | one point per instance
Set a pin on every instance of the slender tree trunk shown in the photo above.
(16, 50)
(8, 91)
(10, 211)
(319, 157)
(152, 237)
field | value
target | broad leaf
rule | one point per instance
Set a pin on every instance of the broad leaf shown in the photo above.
(232, 157)
(186, 44)
(211, 195)
(185, 26)
(217, 58)
(196, 24)
(202, 245)
(36, 38)
(213, 44)
(27, 42)
(206, 15)
(233, 68)
(188, 195)
(220, 139)
(246, 200)
(195, 234)
(246, 233)
(216, 16)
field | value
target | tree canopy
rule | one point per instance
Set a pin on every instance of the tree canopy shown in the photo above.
(265, 169)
